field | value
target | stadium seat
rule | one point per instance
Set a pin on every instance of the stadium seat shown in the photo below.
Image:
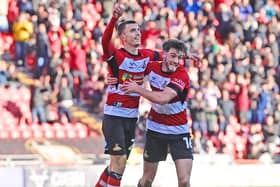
(37, 133)
(4, 134)
(46, 126)
(82, 133)
(60, 133)
(71, 133)
(26, 133)
(25, 94)
(82, 130)
(15, 133)
(49, 133)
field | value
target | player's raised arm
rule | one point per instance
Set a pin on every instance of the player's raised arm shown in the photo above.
(108, 47)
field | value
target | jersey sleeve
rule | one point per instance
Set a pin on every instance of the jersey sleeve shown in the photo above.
(107, 45)
(180, 82)
(153, 55)
(157, 56)
(150, 66)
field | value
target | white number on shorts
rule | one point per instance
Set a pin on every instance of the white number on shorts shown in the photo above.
(188, 141)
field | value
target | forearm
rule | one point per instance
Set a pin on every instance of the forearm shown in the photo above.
(154, 96)
(107, 36)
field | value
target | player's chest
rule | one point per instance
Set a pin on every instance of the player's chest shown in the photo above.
(133, 65)
(158, 81)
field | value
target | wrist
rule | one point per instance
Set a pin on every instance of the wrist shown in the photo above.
(115, 18)
(139, 89)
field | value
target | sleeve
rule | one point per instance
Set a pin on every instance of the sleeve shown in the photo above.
(157, 56)
(153, 55)
(149, 67)
(108, 47)
(181, 85)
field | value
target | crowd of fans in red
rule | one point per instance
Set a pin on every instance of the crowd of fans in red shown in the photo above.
(234, 101)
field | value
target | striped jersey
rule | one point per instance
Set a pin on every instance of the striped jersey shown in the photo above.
(170, 118)
(124, 66)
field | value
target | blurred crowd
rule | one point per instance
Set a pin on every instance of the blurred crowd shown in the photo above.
(234, 100)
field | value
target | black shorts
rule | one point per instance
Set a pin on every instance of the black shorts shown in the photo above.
(119, 133)
(158, 145)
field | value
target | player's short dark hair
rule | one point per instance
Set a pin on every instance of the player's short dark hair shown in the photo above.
(122, 24)
(174, 43)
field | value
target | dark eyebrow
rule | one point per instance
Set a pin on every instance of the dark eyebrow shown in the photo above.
(173, 54)
(135, 28)
(177, 55)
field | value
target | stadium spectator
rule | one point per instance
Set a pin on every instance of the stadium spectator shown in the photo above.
(38, 102)
(78, 65)
(22, 30)
(64, 99)
(4, 24)
(198, 112)
(42, 50)
(226, 109)
(3, 73)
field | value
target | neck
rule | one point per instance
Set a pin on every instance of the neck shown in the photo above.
(132, 50)
(163, 68)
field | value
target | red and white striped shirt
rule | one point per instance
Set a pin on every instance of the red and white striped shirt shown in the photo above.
(170, 118)
(124, 66)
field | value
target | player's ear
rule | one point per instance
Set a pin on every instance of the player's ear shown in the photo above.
(164, 54)
(122, 37)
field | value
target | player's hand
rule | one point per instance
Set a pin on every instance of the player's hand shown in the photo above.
(195, 60)
(112, 80)
(129, 86)
(118, 10)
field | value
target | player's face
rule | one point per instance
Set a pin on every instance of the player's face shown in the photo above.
(172, 60)
(131, 35)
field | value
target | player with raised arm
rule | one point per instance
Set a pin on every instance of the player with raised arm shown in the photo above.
(121, 110)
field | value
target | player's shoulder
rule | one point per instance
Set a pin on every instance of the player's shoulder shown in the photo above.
(120, 52)
(153, 66)
(147, 52)
(181, 69)
(154, 63)
(182, 73)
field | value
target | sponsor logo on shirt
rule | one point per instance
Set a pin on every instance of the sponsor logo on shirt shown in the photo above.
(135, 66)
(178, 82)
(158, 81)
(126, 76)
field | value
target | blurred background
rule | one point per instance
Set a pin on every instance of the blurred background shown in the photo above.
(53, 81)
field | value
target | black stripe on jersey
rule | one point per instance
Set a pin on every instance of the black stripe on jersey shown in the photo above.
(113, 65)
(181, 94)
(156, 56)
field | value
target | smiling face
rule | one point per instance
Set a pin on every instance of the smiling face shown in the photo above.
(131, 35)
(172, 60)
